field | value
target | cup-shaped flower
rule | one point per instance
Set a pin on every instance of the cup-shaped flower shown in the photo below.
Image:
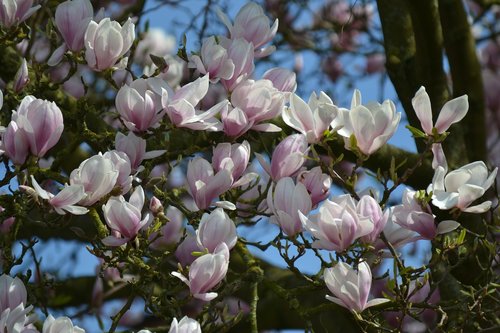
(206, 272)
(107, 42)
(283, 79)
(252, 24)
(350, 288)
(311, 119)
(317, 184)
(205, 186)
(135, 148)
(372, 124)
(232, 157)
(98, 176)
(12, 292)
(16, 11)
(59, 325)
(241, 54)
(452, 112)
(42, 123)
(286, 202)
(171, 232)
(461, 187)
(139, 103)
(72, 18)
(21, 78)
(337, 224)
(214, 229)
(124, 217)
(15, 143)
(213, 60)
(416, 215)
(122, 164)
(370, 208)
(65, 200)
(185, 325)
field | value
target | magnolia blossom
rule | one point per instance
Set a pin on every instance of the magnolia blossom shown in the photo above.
(65, 200)
(135, 148)
(337, 225)
(350, 288)
(185, 325)
(396, 235)
(206, 272)
(98, 175)
(15, 143)
(124, 217)
(286, 202)
(17, 320)
(233, 158)
(184, 251)
(171, 232)
(317, 184)
(372, 125)
(205, 186)
(107, 42)
(72, 18)
(283, 79)
(12, 292)
(16, 11)
(180, 106)
(60, 325)
(452, 112)
(252, 24)
(311, 119)
(122, 164)
(370, 208)
(21, 78)
(139, 103)
(461, 187)
(214, 229)
(288, 157)
(6, 224)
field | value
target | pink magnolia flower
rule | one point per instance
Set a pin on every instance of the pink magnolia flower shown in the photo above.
(205, 186)
(337, 225)
(288, 157)
(311, 119)
(65, 200)
(396, 235)
(12, 292)
(107, 42)
(41, 122)
(72, 18)
(372, 125)
(124, 218)
(135, 148)
(233, 158)
(452, 112)
(252, 24)
(214, 229)
(139, 103)
(241, 54)
(317, 184)
(15, 143)
(287, 202)
(16, 11)
(184, 251)
(206, 272)
(21, 78)
(122, 164)
(185, 325)
(461, 187)
(370, 208)
(59, 325)
(171, 232)
(350, 288)
(213, 60)
(283, 79)
(17, 320)
(6, 224)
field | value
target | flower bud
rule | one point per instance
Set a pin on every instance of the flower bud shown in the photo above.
(16, 11)
(216, 228)
(233, 157)
(21, 78)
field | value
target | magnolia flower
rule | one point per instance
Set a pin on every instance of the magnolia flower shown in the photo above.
(461, 187)
(72, 18)
(317, 184)
(139, 103)
(351, 288)
(15, 143)
(286, 203)
(12, 292)
(370, 208)
(135, 148)
(185, 325)
(311, 119)
(184, 251)
(124, 217)
(21, 78)
(206, 272)
(283, 79)
(107, 42)
(396, 235)
(241, 54)
(233, 158)
(216, 228)
(205, 186)
(452, 112)
(17, 320)
(65, 200)
(60, 325)
(98, 175)
(171, 232)
(372, 125)
(337, 225)
(213, 60)
(252, 24)
(288, 157)
(16, 11)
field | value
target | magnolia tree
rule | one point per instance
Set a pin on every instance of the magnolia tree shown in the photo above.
(174, 171)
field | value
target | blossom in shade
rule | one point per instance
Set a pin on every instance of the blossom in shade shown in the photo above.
(368, 207)
(16, 11)
(350, 288)
(59, 325)
(185, 325)
(12, 292)
(15, 143)
(21, 78)
(135, 148)
(206, 272)
(171, 232)
(72, 18)
(216, 228)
